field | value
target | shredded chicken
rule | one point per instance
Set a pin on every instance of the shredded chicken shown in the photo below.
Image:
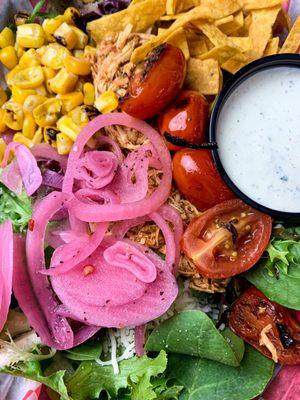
(265, 341)
(127, 139)
(112, 68)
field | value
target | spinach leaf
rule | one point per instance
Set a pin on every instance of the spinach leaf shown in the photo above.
(278, 274)
(205, 379)
(194, 333)
(88, 351)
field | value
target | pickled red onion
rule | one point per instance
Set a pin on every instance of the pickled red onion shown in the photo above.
(6, 269)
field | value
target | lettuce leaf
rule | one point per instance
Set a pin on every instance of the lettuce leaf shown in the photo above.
(16, 208)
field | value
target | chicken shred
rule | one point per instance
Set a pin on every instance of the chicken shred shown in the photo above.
(265, 341)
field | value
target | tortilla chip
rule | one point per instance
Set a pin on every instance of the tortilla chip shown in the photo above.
(203, 76)
(224, 20)
(220, 54)
(141, 16)
(233, 65)
(224, 7)
(197, 47)
(244, 43)
(292, 43)
(272, 47)
(244, 30)
(170, 17)
(232, 25)
(260, 4)
(178, 39)
(171, 6)
(184, 5)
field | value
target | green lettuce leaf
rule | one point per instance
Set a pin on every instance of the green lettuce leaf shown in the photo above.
(209, 380)
(88, 351)
(194, 333)
(17, 209)
(278, 274)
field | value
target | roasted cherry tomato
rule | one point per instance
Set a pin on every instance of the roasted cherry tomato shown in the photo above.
(186, 118)
(155, 82)
(227, 239)
(198, 179)
(270, 328)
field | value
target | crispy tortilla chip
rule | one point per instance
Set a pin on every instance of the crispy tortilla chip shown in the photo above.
(224, 7)
(260, 4)
(233, 65)
(230, 26)
(225, 20)
(292, 43)
(272, 47)
(178, 39)
(203, 76)
(171, 6)
(244, 43)
(171, 17)
(197, 47)
(244, 30)
(142, 16)
(184, 5)
(220, 54)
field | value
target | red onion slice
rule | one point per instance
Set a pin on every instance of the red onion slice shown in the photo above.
(44, 151)
(6, 269)
(139, 338)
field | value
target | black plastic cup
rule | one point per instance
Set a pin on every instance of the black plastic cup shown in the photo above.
(279, 60)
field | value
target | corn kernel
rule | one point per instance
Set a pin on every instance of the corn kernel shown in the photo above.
(29, 126)
(47, 113)
(10, 76)
(2, 149)
(19, 138)
(30, 59)
(33, 101)
(30, 36)
(20, 50)
(77, 66)
(71, 14)
(83, 114)
(64, 82)
(107, 102)
(8, 57)
(7, 38)
(64, 144)
(3, 126)
(54, 56)
(49, 73)
(65, 36)
(38, 136)
(14, 116)
(89, 94)
(89, 52)
(70, 101)
(51, 25)
(21, 18)
(3, 97)
(78, 54)
(41, 90)
(66, 125)
(82, 38)
(19, 95)
(79, 85)
(28, 78)
(41, 51)
(49, 134)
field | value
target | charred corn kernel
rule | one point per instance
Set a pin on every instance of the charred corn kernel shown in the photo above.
(107, 102)
(89, 94)
(20, 138)
(20, 50)
(70, 101)
(29, 126)
(41, 90)
(81, 38)
(64, 144)
(49, 73)
(49, 134)
(83, 114)
(89, 52)
(51, 25)
(30, 36)
(77, 66)
(64, 82)
(79, 85)
(21, 18)
(30, 59)
(3, 96)
(2, 148)
(65, 36)
(66, 125)
(7, 38)
(14, 116)
(38, 136)
(20, 95)
(8, 57)
(54, 56)
(71, 14)
(28, 78)
(47, 113)
(3, 126)
(33, 101)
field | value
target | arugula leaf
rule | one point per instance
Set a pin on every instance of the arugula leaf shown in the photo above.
(205, 379)
(88, 351)
(278, 274)
(17, 209)
(194, 333)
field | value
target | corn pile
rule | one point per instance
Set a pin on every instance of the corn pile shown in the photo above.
(52, 96)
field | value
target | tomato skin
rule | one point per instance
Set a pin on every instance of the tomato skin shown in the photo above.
(253, 311)
(227, 239)
(198, 179)
(186, 118)
(155, 82)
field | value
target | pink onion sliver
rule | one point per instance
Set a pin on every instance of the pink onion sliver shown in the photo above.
(117, 150)
(44, 151)
(286, 5)
(60, 329)
(8, 136)
(84, 334)
(25, 295)
(11, 178)
(123, 255)
(6, 269)
(139, 338)
(53, 179)
(120, 229)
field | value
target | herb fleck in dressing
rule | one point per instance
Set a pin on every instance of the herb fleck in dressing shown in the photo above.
(258, 133)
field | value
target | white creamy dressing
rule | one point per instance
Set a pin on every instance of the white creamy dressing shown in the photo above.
(258, 133)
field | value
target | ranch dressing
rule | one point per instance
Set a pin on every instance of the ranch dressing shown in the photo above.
(258, 133)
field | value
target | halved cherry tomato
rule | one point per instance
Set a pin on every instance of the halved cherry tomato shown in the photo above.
(186, 118)
(155, 82)
(198, 179)
(269, 327)
(227, 239)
